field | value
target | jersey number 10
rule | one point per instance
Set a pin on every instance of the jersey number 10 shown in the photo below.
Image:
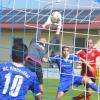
(16, 85)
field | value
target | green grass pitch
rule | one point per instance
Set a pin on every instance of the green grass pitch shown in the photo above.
(50, 89)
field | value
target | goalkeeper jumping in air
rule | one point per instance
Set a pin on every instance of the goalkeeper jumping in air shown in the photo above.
(54, 20)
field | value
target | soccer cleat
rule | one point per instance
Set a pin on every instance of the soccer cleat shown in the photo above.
(87, 98)
(73, 98)
(76, 98)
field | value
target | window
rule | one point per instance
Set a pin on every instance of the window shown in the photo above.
(79, 43)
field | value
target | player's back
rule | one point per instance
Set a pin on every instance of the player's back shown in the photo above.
(15, 80)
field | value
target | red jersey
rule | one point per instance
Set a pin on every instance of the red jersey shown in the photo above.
(90, 57)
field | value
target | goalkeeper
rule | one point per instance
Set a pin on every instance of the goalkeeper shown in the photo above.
(55, 20)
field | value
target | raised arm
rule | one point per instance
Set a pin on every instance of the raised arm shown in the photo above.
(58, 31)
(48, 22)
(59, 26)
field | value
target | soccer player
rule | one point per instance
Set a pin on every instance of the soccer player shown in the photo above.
(16, 79)
(65, 63)
(90, 56)
(37, 49)
(55, 20)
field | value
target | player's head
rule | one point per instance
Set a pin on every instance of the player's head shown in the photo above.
(55, 17)
(19, 52)
(65, 51)
(42, 40)
(90, 43)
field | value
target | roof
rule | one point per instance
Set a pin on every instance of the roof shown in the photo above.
(71, 17)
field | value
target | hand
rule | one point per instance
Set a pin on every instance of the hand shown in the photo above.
(43, 26)
(80, 62)
(58, 31)
(45, 60)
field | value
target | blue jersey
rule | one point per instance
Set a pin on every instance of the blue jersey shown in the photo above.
(15, 80)
(66, 65)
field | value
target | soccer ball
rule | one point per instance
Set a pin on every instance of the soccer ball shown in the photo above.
(55, 17)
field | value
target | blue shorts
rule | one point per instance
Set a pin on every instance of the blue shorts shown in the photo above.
(67, 81)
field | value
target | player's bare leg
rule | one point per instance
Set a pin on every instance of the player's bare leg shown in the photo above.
(59, 95)
(41, 88)
(89, 93)
(38, 97)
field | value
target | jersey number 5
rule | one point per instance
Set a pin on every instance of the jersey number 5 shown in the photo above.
(15, 87)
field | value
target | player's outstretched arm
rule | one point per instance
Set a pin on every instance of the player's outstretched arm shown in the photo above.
(45, 24)
(51, 59)
(87, 64)
(58, 31)
(48, 22)
(59, 26)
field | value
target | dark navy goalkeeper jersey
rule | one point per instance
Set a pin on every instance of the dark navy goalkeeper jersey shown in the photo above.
(15, 80)
(66, 65)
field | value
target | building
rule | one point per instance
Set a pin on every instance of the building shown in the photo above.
(18, 26)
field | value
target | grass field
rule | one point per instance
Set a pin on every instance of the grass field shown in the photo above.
(50, 89)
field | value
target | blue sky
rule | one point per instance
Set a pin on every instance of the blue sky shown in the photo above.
(21, 4)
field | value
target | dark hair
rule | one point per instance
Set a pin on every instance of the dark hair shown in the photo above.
(64, 47)
(19, 52)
